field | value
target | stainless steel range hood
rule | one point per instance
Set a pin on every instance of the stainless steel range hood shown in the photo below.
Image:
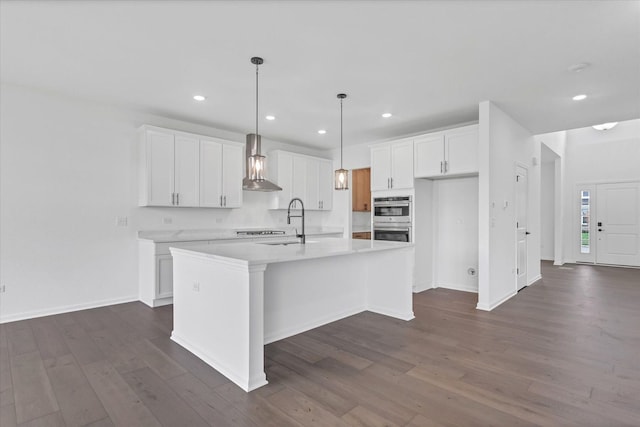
(255, 161)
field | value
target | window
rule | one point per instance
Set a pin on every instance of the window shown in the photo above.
(585, 222)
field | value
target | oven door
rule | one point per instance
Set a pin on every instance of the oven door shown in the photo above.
(392, 233)
(392, 211)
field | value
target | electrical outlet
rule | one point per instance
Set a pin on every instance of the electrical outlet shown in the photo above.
(122, 221)
(196, 286)
(167, 220)
(3, 289)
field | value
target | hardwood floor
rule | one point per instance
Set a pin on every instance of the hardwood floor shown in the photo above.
(563, 352)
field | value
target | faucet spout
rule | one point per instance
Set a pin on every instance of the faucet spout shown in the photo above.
(289, 216)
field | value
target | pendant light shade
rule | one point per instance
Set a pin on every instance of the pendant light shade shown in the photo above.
(341, 175)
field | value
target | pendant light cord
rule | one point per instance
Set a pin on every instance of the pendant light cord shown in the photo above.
(340, 133)
(257, 65)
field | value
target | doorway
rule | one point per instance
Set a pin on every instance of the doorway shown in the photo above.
(610, 224)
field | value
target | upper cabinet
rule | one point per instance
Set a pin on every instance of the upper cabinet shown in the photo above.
(220, 180)
(306, 177)
(392, 166)
(185, 170)
(449, 153)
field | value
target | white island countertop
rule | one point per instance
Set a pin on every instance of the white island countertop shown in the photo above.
(171, 236)
(271, 252)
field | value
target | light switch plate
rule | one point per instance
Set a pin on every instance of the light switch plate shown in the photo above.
(167, 220)
(122, 221)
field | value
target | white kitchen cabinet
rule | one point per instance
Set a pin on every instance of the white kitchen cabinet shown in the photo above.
(392, 166)
(220, 174)
(306, 177)
(186, 170)
(325, 184)
(448, 153)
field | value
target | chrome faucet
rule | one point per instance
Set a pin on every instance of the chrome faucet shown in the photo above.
(289, 216)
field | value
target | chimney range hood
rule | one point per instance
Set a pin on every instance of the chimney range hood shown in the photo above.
(254, 179)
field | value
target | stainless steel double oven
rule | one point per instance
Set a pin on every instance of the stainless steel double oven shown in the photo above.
(392, 218)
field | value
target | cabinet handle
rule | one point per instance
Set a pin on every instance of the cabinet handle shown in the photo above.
(178, 199)
(446, 166)
(441, 166)
(391, 182)
(225, 200)
(221, 200)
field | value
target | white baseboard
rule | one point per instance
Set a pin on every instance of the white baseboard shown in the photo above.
(457, 287)
(534, 280)
(490, 307)
(273, 336)
(65, 309)
(396, 314)
(422, 287)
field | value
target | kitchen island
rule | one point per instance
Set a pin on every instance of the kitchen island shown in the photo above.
(232, 299)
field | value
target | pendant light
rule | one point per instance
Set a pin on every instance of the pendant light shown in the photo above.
(341, 175)
(256, 165)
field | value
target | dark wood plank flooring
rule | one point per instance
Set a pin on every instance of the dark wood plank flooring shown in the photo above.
(563, 352)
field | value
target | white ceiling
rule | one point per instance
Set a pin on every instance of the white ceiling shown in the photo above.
(429, 63)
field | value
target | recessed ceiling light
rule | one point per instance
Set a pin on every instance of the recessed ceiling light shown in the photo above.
(387, 115)
(270, 117)
(576, 68)
(579, 97)
(199, 97)
(605, 126)
(322, 131)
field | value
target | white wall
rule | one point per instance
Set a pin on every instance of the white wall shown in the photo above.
(547, 210)
(424, 235)
(503, 144)
(456, 233)
(68, 169)
(592, 157)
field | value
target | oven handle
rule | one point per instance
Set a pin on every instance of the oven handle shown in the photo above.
(405, 229)
(376, 204)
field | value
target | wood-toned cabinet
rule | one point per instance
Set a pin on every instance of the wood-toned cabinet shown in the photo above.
(361, 190)
(306, 177)
(364, 235)
(392, 166)
(449, 153)
(179, 169)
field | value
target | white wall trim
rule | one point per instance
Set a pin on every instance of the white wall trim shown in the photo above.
(534, 280)
(495, 304)
(458, 287)
(65, 309)
(422, 287)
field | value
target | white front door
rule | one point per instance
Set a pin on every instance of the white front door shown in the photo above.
(522, 194)
(618, 224)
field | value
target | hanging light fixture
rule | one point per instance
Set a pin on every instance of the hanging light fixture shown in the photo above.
(256, 165)
(341, 175)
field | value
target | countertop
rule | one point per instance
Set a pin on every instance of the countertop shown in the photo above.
(249, 253)
(170, 236)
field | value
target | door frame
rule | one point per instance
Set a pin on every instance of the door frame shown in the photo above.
(592, 186)
(520, 165)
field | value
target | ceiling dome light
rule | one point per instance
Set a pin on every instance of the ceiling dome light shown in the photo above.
(576, 68)
(605, 126)
(387, 115)
(199, 97)
(579, 97)
(322, 131)
(270, 117)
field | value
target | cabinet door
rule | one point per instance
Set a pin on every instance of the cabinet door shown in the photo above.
(232, 156)
(312, 193)
(159, 168)
(462, 151)
(210, 174)
(429, 156)
(187, 171)
(402, 165)
(280, 170)
(325, 184)
(164, 276)
(299, 180)
(380, 168)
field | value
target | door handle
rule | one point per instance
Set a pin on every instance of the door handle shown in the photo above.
(600, 229)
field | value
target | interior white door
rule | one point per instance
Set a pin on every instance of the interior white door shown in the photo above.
(522, 193)
(618, 223)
